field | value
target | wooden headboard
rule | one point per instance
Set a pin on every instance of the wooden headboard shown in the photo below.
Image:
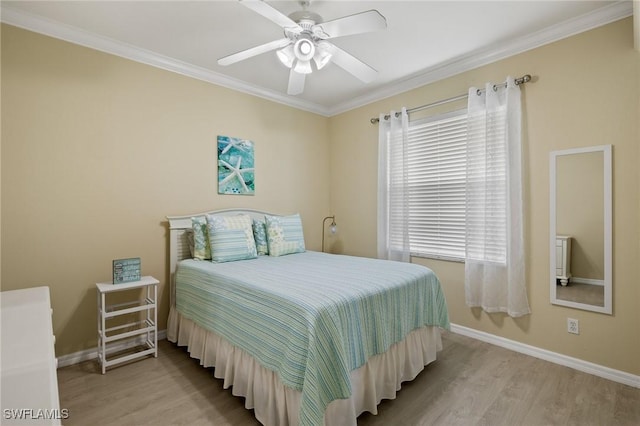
(179, 246)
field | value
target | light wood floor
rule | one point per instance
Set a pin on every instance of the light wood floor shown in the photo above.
(471, 383)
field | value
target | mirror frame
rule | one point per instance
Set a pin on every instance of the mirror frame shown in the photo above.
(608, 282)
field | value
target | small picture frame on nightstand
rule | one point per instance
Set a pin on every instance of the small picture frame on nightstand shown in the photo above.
(126, 270)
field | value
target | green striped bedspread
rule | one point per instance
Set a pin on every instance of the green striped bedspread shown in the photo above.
(311, 317)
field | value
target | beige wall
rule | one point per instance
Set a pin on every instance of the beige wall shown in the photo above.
(585, 92)
(97, 150)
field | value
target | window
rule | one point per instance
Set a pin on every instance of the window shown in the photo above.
(436, 171)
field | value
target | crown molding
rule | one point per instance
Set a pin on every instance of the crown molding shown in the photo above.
(597, 18)
(38, 24)
(579, 24)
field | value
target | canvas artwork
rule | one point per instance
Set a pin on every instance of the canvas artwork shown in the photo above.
(236, 173)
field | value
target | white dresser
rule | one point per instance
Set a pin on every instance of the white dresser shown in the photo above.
(563, 259)
(29, 379)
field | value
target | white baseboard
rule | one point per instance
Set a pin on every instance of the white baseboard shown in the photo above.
(567, 361)
(88, 354)
(556, 358)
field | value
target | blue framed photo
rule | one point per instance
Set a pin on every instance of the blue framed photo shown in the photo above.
(236, 172)
(126, 270)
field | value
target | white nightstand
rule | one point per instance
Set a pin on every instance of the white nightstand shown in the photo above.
(126, 333)
(563, 259)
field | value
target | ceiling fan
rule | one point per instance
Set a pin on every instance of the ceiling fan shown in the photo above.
(305, 39)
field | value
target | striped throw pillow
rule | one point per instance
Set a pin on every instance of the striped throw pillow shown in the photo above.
(284, 234)
(231, 238)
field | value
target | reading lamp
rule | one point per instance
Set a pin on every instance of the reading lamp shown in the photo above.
(333, 228)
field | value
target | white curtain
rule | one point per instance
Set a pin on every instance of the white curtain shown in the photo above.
(393, 212)
(494, 265)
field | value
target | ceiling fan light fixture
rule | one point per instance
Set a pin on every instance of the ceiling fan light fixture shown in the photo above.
(323, 55)
(286, 56)
(303, 67)
(304, 49)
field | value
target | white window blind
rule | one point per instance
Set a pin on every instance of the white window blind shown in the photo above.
(436, 162)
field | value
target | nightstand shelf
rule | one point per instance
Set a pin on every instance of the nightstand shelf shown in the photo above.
(142, 333)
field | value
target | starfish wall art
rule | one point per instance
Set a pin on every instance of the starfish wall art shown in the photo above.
(235, 166)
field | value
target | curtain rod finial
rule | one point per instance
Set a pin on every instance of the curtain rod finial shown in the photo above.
(524, 79)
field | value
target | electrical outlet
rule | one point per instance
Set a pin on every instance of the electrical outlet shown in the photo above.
(573, 326)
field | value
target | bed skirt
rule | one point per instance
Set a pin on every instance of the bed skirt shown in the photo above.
(275, 404)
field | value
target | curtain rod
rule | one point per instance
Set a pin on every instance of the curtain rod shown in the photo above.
(524, 79)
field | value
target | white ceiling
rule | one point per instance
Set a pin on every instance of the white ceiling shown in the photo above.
(425, 40)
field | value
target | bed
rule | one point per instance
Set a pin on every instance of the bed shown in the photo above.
(307, 338)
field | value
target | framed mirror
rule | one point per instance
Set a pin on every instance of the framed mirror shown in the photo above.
(580, 225)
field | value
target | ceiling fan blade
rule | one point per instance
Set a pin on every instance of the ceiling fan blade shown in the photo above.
(272, 14)
(363, 22)
(246, 54)
(296, 83)
(352, 64)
